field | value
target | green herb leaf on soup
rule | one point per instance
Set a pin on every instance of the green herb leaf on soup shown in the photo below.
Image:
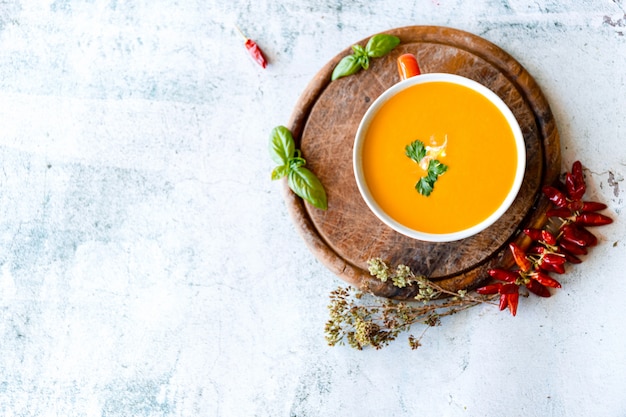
(436, 167)
(425, 186)
(416, 151)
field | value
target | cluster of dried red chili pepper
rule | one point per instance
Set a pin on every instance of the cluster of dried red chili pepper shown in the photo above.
(550, 252)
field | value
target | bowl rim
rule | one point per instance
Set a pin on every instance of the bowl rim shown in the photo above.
(422, 79)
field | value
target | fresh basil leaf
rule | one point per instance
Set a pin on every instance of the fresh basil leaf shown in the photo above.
(364, 61)
(296, 161)
(282, 146)
(359, 50)
(306, 185)
(416, 151)
(279, 172)
(381, 44)
(347, 66)
(424, 186)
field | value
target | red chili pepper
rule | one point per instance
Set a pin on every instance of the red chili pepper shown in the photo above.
(540, 235)
(509, 297)
(579, 205)
(545, 279)
(553, 262)
(548, 237)
(572, 248)
(589, 238)
(503, 301)
(555, 196)
(562, 212)
(592, 219)
(512, 301)
(536, 249)
(578, 235)
(254, 50)
(578, 180)
(503, 275)
(554, 259)
(534, 234)
(570, 184)
(592, 206)
(550, 267)
(490, 289)
(520, 257)
(573, 259)
(538, 289)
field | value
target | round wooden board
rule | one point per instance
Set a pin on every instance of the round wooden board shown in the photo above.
(347, 235)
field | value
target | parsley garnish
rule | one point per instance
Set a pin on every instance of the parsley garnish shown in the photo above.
(417, 151)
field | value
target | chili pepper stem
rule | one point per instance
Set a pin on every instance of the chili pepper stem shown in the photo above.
(245, 38)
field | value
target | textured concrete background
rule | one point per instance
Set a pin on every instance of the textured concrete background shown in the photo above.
(148, 266)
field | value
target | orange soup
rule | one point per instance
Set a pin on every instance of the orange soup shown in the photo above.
(480, 155)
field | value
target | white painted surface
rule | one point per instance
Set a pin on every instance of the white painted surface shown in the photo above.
(148, 266)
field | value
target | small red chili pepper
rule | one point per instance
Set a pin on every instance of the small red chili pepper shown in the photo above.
(509, 297)
(592, 219)
(572, 248)
(578, 235)
(550, 267)
(553, 259)
(570, 184)
(520, 257)
(592, 206)
(490, 289)
(578, 181)
(512, 301)
(562, 212)
(536, 249)
(540, 235)
(503, 301)
(573, 259)
(545, 279)
(555, 196)
(254, 50)
(589, 238)
(503, 275)
(582, 206)
(548, 237)
(575, 191)
(534, 234)
(538, 289)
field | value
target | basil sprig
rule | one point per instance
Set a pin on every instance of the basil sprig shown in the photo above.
(378, 45)
(291, 165)
(417, 151)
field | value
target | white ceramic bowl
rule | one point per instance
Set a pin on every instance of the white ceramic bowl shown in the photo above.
(428, 78)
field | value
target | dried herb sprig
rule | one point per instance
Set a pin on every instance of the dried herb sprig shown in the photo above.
(364, 320)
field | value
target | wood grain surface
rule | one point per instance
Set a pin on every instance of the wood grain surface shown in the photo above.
(347, 235)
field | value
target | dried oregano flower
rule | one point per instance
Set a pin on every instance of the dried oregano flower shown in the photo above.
(364, 320)
(378, 269)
